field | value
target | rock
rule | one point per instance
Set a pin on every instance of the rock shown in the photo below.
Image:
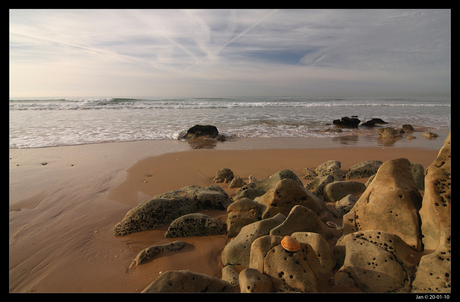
(331, 167)
(375, 261)
(210, 198)
(184, 281)
(407, 128)
(309, 174)
(325, 255)
(337, 190)
(286, 194)
(237, 251)
(302, 219)
(147, 254)
(390, 203)
(369, 181)
(373, 122)
(200, 130)
(236, 182)
(299, 271)
(193, 225)
(363, 169)
(345, 204)
(322, 183)
(434, 272)
(347, 122)
(230, 273)
(410, 137)
(429, 135)
(153, 213)
(389, 133)
(224, 175)
(418, 172)
(253, 281)
(268, 183)
(240, 213)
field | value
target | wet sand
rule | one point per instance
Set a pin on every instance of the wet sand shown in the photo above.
(65, 201)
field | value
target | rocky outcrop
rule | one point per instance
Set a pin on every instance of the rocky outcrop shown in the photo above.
(346, 122)
(390, 203)
(147, 254)
(210, 198)
(153, 213)
(434, 272)
(202, 130)
(375, 261)
(184, 281)
(192, 225)
(286, 194)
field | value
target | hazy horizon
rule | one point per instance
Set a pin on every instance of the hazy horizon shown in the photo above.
(229, 53)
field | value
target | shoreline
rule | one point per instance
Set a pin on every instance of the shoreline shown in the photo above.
(62, 214)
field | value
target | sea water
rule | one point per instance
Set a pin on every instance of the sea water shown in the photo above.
(43, 122)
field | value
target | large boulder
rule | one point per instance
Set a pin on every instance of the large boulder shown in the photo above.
(202, 130)
(337, 190)
(185, 281)
(237, 251)
(284, 195)
(240, 213)
(434, 272)
(147, 254)
(375, 261)
(196, 224)
(154, 213)
(390, 203)
(302, 219)
(299, 271)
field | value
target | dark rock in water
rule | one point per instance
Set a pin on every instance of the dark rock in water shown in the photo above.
(192, 225)
(347, 122)
(202, 130)
(373, 122)
(187, 282)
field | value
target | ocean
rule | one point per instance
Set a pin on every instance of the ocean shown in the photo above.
(51, 122)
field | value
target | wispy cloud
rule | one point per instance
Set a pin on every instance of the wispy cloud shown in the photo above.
(229, 52)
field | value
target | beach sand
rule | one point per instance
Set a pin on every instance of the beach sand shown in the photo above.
(65, 201)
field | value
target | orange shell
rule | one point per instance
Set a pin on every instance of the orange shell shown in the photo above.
(290, 244)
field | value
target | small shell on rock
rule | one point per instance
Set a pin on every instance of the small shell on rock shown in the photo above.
(290, 244)
(331, 224)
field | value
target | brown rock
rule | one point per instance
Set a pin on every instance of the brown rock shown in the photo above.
(240, 213)
(390, 203)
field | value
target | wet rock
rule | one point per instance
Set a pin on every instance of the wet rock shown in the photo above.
(407, 128)
(337, 190)
(185, 281)
(389, 133)
(286, 194)
(193, 225)
(202, 130)
(375, 261)
(346, 122)
(363, 170)
(299, 271)
(223, 175)
(153, 213)
(147, 254)
(237, 251)
(429, 135)
(302, 219)
(253, 281)
(434, 272)
(390, 203)
(240, 213)
(373, 122)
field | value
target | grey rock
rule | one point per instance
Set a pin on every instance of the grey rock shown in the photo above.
(339, 189)
(364, 169)
(345, 204)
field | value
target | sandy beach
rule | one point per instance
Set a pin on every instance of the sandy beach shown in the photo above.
(65, 201)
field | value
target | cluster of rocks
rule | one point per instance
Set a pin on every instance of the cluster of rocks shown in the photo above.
(392, 239)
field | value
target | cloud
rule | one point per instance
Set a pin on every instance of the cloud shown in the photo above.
(226, 52)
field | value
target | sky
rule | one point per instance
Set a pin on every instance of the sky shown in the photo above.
(220, 53)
